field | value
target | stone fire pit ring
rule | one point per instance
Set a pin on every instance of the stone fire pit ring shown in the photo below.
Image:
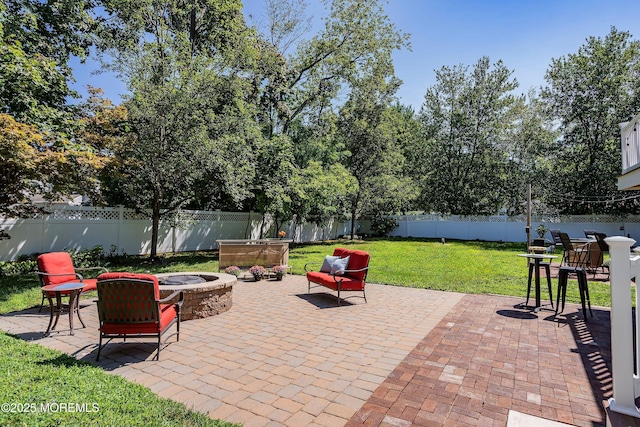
(209, 298)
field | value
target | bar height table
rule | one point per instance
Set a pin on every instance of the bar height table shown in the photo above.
(537, 258)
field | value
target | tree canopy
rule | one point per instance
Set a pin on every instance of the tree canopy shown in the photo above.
(294, 125)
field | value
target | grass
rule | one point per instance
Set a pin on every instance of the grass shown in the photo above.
(457, 266)
(39, 380)
(34, 374)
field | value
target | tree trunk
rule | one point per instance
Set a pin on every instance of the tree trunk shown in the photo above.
(155, 224)
(354, 210)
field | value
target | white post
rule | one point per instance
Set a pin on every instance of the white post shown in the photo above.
(624, 377)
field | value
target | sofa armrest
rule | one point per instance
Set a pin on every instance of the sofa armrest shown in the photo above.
(42, 273)
(356, 271)
(345, 273)
(310, 263)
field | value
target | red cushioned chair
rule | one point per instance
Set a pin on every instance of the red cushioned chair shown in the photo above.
(56, 268)
(353, 278)
(129, 305)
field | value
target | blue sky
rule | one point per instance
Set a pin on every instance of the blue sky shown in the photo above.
(524, 34)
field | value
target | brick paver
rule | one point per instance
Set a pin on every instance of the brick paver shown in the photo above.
(486, 357)
(407, 357)
(279, 356)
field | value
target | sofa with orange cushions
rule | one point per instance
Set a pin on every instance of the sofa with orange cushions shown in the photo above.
(345, 270)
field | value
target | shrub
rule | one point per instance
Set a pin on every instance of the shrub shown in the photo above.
(383, 225)
(88, 257)
(11, 268)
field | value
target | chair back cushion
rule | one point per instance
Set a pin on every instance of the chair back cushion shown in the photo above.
(341, 252)
(56, 263)
(358, 260)
(566, 241)
(128, 298)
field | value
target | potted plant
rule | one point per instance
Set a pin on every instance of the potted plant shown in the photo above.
(280, 271)
(541, 230)
(282, 233)
(233, 269)
(258, 272)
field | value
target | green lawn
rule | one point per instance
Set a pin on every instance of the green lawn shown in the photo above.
(457, 266)
(34, 374)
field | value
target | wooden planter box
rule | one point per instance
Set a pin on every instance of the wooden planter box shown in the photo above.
(246, 253)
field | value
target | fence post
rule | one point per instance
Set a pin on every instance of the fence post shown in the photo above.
(622, 362)
(120, 225)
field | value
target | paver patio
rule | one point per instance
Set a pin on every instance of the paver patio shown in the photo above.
(408, 356)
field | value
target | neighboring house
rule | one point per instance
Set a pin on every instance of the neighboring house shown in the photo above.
(74, 199)
(630, 135)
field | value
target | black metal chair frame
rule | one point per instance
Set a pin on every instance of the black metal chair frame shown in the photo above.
(155, 315)
(575, 264)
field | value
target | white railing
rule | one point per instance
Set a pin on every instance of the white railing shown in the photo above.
(626, 379)
(630, 140)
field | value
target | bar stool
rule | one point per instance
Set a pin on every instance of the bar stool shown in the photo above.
(583, 287)
(547, 271)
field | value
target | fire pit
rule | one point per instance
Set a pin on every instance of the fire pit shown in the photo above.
(205, 294)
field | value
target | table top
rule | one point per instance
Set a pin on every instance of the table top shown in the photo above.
(70, 286)
(538, 256)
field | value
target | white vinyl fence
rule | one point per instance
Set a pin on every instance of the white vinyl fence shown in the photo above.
(127, 231)
(502, 228)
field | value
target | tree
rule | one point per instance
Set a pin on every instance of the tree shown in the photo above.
(194, 133)
(527, 148)
(374, 159)
(299, 95)
(466, 117)
(20, 163)
(590, 93)
(357, 35)
(37, 40)
(320, 194)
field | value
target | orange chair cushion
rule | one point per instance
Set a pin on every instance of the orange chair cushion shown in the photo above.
(167, 314)
(56, 263)
(137, 276)
(324, 279)
(358, 260)
(341, 252)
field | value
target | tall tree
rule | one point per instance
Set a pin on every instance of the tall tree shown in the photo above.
(299, 94)
(590, 93)
(528, 160)
(194, 133)
(357, 34)
(466, 117)
(37, 40)
(374, 159)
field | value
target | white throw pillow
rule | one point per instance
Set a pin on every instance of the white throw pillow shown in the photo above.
(339, 266)
(328, 262)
